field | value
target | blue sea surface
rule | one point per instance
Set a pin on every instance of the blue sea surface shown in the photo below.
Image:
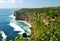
(5, 20)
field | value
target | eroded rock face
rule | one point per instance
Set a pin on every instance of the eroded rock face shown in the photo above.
(21, 16)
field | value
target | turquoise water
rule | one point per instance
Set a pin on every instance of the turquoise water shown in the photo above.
(25, 27)
(5, 20)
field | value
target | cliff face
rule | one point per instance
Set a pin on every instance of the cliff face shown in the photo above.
(28, 14)
(21, 16)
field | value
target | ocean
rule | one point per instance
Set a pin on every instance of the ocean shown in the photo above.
(6, 19)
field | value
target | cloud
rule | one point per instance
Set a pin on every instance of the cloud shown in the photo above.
(21, 1)
(11, 1)
(2, 1)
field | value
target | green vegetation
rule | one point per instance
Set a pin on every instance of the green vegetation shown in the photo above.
(45, 23)
(20, 38)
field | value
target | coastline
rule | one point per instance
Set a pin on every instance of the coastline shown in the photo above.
(17, 28)
(25, 23)
(29, 24)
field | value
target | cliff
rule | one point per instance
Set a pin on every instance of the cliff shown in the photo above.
(45, 22)
(28, 14)
(21, 16)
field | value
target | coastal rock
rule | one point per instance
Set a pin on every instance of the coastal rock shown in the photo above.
(21, 16)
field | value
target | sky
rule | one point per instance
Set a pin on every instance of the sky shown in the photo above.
(28, 3)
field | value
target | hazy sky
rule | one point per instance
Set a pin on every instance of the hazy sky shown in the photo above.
(28, 3)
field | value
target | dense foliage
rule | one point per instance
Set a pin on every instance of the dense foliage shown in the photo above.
(45, 23)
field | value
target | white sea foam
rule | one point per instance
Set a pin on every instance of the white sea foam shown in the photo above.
(28, 30)
(3, 35)
(25, 23)
(17, 28)
(12, 16)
